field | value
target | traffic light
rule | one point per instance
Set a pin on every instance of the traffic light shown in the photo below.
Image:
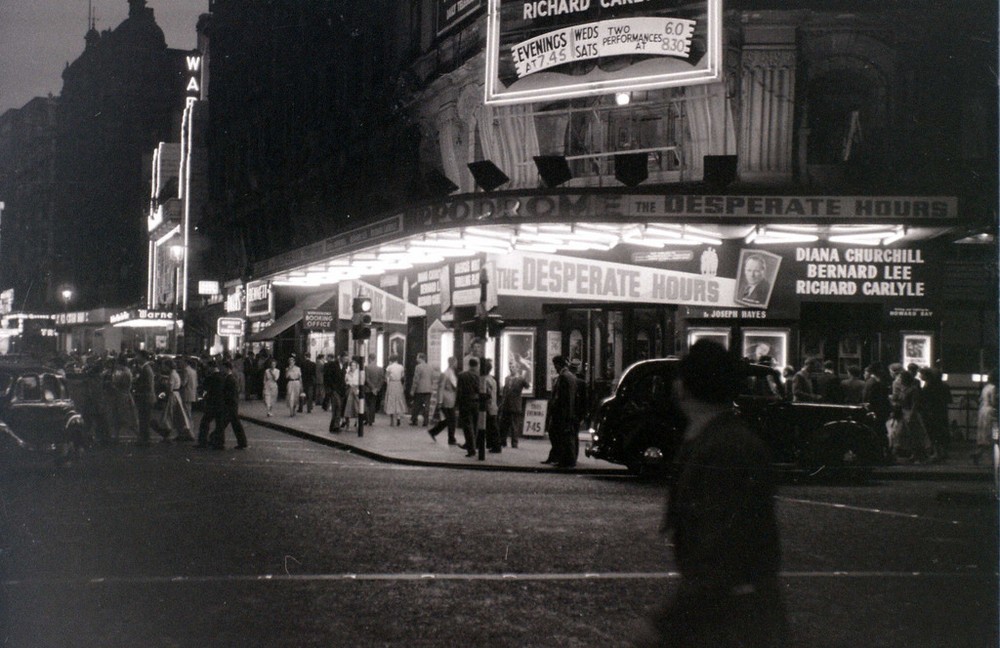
(361, 320)
(494, 324)
(488, 325)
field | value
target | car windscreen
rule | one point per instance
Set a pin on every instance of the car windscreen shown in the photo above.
(27, 388)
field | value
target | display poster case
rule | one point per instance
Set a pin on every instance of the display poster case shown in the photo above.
(917, 348)
(759, 343)
(517, 353)
(720, 335)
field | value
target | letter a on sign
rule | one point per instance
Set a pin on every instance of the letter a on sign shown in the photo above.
(193, 86)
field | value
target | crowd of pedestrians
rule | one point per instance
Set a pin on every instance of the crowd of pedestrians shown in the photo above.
(141, 395)
(910, 403)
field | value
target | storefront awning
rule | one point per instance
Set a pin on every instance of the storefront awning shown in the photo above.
(292, 317)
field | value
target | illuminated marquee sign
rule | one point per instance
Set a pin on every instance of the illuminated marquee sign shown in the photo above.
(548, 49)
(650, 207)
(65, 319)
(259, 299)
(193, 88)
(141, 315)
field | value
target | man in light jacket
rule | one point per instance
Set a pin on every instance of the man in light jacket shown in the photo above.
(420, 390)
(189, 386)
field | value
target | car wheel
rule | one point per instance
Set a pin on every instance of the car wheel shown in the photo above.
(636, 468)
(65, 455)
(840, 450)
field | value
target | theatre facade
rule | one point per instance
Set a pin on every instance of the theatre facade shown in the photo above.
(790, 183)
(612, 278)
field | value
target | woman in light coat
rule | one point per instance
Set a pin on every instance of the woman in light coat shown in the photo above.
(271, 376)
(395, 400)
(176, 414)
(987, 417)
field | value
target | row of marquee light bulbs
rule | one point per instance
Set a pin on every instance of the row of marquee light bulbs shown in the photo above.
(436, 247)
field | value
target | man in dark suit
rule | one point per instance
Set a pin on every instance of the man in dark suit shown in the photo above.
(230, 411)
(828, 385)
(212, 407)
(755, 287)
(336, 386)
(562, 416)
(308, 383)
(720, 512)
(145, 395)
(467, 401)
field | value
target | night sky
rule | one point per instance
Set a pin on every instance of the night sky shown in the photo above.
(38, 38)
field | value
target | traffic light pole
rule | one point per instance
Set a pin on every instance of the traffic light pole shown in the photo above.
(361, 320)
(361, 387)
(481, 419)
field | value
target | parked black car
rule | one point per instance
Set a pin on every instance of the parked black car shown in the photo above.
(641, 426)
(38, 415)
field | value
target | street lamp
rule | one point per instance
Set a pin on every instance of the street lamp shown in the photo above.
(177, 255)
(67, 296)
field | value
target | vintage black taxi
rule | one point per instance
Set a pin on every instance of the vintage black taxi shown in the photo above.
(38, 415)
(641, 426)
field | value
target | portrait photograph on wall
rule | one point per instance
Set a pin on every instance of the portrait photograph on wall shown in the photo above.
(755, 280)
(766, 343)
(397, 346)
(917, 349)
(517, 354)
(720, 335)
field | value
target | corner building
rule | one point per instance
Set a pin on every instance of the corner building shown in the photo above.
(824, 186)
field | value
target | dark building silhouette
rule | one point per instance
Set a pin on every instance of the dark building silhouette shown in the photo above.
(305, 133)
(27, 190)
(120, 98)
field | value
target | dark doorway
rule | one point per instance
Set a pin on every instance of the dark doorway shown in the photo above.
(847, 334)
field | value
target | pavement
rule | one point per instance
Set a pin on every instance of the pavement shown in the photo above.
(411, 445)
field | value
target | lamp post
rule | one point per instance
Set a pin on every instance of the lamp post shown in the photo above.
(67, 295)
(177, 255)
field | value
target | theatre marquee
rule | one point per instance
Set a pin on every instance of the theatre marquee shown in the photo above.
(546, 49)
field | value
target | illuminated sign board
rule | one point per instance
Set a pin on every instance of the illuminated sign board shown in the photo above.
(549, 49)
(65, 319)
(259, 299)
(193, 88)
(141, 316)
(234, 300)
(229, 326)
(208, 287)
(316, 320)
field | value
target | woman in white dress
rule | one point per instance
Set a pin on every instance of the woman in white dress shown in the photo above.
(352, 406)
(395, 401)
(293, 388)
(271, 375)
(987, 417)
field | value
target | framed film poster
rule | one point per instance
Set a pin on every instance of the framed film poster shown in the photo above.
(719, 334)
(917, 348)
(761, 343)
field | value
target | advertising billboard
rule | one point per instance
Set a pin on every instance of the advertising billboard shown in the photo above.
(539, 50)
